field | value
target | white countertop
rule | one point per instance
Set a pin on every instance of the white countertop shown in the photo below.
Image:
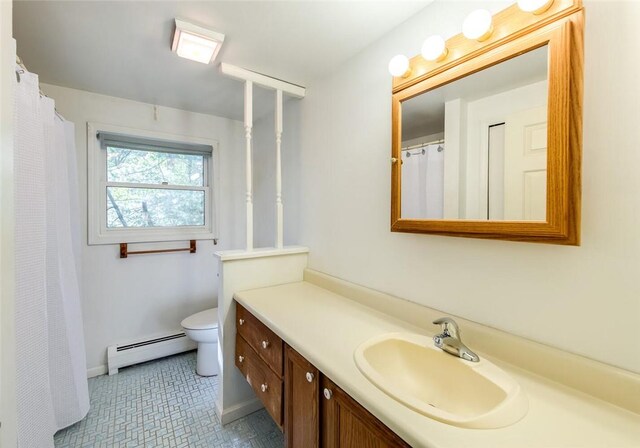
(326, 328)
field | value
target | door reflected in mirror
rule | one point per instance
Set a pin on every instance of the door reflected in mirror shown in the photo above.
(476, 148)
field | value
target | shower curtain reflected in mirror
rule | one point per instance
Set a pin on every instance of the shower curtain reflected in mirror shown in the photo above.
(51, 376)
(423, 183)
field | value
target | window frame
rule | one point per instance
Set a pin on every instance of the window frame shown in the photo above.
(98, 232)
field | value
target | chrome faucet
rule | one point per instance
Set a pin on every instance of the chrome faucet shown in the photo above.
(449, 340)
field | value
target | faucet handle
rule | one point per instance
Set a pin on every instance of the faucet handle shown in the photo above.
(449, 327)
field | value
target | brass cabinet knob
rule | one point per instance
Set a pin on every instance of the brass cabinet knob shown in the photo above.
(327, 393)
(241, 321)
(265, 344)
(240, 358)
(264, 387)
(309, 377)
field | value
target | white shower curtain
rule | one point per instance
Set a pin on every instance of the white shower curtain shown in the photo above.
(51, 380)
(423, 184)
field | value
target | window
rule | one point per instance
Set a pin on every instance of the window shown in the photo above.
(144, 188)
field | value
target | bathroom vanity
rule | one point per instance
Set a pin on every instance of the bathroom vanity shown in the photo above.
(311, 409)
(297, 345)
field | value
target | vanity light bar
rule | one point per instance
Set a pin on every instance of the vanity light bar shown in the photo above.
(434, 48)
(534, 6)
(399, 66)
(478, 25)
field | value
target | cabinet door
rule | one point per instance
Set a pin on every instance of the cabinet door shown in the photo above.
(301, 420)
(346, 424)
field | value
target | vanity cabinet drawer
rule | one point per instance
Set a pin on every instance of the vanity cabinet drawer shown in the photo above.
(265, 383)
(264, 341)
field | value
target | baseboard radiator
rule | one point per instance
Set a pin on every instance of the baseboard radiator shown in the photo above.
(143, 350)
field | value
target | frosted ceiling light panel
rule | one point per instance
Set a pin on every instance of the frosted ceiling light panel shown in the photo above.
(195, 42)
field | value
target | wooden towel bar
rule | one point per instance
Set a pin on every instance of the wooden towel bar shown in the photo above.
(124, 253)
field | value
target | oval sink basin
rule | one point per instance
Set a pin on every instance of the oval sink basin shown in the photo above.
(410, 369)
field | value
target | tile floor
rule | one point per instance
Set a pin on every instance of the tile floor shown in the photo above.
(163, 404)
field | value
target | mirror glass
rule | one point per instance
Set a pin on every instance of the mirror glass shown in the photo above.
(476, 148)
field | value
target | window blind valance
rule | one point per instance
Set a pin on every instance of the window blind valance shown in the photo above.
(109, 139)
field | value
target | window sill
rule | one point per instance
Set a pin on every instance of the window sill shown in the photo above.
(149, 236)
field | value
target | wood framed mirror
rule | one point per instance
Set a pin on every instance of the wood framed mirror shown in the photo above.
(487, 142)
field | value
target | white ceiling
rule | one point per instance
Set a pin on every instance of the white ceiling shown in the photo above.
(123, 48)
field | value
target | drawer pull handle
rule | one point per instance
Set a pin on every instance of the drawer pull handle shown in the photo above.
(240, 358)
(241, 321)
(265, 344)
(309, 377)
(327, 393)
(264, 387)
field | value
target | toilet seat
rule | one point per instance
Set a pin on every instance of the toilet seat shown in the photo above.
(204, 320)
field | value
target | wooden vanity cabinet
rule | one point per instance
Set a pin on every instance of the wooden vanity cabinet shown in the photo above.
(264, 382)
(346, 424)
(320, 414)
(259, 356)
(316, 412)
(301, 401)
(266, 344)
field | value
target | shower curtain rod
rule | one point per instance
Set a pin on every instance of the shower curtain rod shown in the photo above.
(422, 145)
(23, 69)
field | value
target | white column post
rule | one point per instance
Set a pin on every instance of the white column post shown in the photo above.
(248, 124)
(279, 206)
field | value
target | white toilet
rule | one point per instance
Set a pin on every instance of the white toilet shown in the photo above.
(202, 328)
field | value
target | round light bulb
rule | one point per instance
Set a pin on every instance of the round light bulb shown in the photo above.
(434, 48)
(477, 25)
(399, 65)
(534, 6)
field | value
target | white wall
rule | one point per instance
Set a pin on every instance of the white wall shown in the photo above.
(480, 114)
(424, 139)
(455, 122)
(7, 296)
(150, 294)
(264, 176)
(582, 299)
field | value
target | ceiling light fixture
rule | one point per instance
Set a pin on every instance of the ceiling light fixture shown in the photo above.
(399, 66)
(534, 6)
(195, 42)
(478, 25)
(434, 48)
